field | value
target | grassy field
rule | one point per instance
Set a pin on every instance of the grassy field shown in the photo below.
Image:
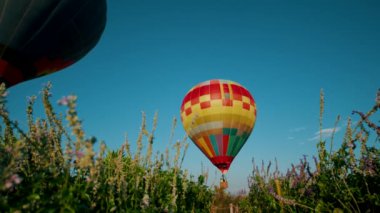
(53, 168)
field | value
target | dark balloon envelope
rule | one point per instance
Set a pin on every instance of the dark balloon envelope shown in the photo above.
(39, 37)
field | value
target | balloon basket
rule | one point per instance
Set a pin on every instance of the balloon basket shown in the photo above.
(223, 183)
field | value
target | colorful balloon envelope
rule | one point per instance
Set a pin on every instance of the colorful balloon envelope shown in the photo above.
(38, 37)
(218, 116)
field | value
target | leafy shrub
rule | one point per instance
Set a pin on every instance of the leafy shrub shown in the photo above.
(345, 180)
(49, 169)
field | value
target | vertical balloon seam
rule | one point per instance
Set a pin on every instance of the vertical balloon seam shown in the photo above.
(212, 137)
(239, 126)
(232, 132)
(198, 136)
(215, 97)
(235, 137)
(2, 12)
(78, 12)
(227, 130)
(224, 110)
(5, 4)
(194, 121)
(15, 29)
(245, 134)
(47, 20)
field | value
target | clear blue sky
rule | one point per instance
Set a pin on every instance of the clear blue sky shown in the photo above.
(283, 52)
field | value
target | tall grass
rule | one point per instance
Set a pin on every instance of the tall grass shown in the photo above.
(54, 168)
(343, 180)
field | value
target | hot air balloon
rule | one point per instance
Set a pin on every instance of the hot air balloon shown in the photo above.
(218, 116)
(40, 37)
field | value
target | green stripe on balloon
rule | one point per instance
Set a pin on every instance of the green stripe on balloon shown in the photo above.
(214, 144)
(231, 142)
(233, 131)
(235, 143)
(238, 147)
(241, 143)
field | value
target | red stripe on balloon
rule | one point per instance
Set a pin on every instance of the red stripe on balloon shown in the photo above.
(226, 88)
(219, 139)
(195, 96)
(204, 90)
(209, 145)
(236, 92)
(215, 91)
(225, 144)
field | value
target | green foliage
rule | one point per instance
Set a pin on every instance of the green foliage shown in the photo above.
(51, 168)
(345, 180)
(225, 201)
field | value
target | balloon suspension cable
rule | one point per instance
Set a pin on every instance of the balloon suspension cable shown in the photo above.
(223, 178)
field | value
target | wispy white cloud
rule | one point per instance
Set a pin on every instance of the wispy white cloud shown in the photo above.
(325, 133)
(316, 137)
(298, 129)
(291, 138)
